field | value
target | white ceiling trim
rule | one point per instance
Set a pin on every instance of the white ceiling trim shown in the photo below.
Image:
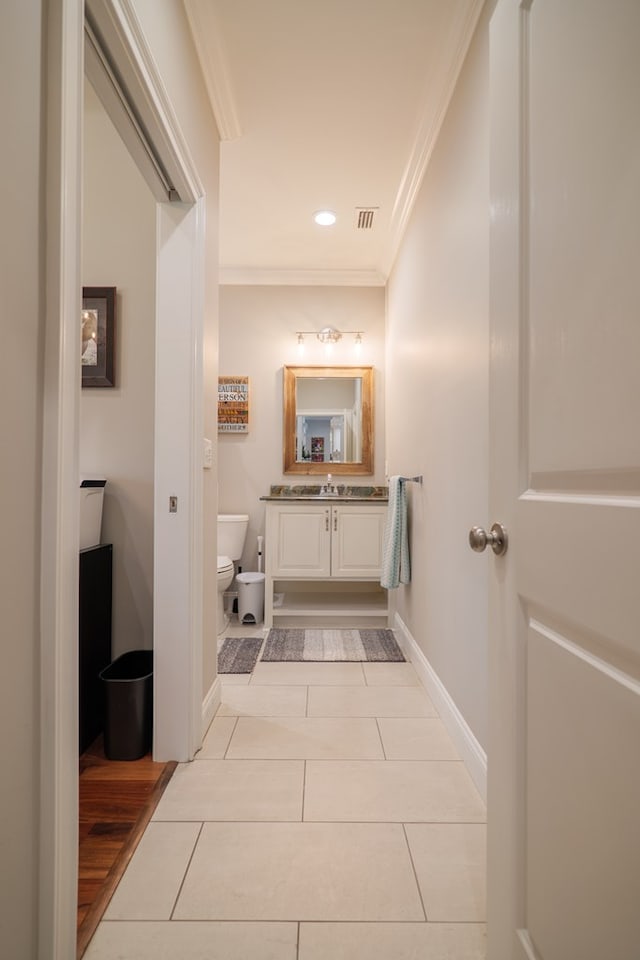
(429, 129)
(239, 276)
(205, 31)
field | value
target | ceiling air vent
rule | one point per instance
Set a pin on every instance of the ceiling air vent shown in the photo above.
(364, 217)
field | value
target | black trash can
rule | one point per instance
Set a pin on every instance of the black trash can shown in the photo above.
(128, 683)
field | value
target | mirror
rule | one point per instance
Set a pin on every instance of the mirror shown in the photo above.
(328, 420)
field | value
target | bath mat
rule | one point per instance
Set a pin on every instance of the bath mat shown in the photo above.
(373, 646)
(238, 654)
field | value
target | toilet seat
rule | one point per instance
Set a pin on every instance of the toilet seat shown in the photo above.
(225, 565)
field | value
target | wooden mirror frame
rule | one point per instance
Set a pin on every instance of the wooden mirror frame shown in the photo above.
(291, 465)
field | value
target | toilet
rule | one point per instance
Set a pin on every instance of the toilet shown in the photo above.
(232, 530)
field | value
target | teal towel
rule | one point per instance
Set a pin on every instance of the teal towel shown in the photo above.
(396, 568)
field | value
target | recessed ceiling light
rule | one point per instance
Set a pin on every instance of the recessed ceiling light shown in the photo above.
(325, 218)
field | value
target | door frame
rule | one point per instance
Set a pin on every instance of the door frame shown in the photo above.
(179, 413)
(506, 770)
(180, 266)
(59, 562)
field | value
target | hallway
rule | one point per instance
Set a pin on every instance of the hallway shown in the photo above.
(327, 815)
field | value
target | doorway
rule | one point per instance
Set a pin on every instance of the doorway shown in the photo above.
(179, 254)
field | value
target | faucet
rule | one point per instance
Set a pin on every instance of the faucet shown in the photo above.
(329, 488)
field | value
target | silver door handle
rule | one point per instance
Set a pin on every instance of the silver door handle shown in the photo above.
(497, 539)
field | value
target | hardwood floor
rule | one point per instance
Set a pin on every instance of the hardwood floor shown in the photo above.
(117, 800)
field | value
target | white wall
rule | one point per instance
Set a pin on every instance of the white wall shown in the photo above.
(116, 424)
(257, 338)
(21, 282)
(173, 50)
(437, 393)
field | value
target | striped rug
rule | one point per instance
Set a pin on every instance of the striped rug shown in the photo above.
(238, 654)
(331, 645)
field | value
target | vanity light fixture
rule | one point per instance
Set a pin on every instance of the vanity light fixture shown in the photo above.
(329, 335)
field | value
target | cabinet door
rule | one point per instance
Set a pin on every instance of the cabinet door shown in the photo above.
(357, 535)
(298, 541)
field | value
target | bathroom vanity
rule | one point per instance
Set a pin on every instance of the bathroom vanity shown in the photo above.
(323, 557)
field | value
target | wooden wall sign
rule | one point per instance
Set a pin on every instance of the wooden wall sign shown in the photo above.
(233, 404)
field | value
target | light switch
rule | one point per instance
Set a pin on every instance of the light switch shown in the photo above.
(207, 459)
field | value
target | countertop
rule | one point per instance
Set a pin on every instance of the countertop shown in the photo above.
(348, 493)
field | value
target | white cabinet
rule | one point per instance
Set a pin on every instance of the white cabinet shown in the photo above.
(323, 561)
(339, 540)
(298, 540)
(356, 540)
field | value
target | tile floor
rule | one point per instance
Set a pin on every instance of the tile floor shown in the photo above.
(327, 817)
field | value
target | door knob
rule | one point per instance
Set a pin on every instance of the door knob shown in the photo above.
(497, 539)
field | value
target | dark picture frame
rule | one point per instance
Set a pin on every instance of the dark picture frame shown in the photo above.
(98, 330)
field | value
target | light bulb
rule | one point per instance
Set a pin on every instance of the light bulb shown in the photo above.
(325, 218)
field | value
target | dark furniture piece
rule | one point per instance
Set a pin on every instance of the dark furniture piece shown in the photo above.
(94, 637)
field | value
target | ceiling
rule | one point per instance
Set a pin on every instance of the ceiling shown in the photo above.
(324, 104)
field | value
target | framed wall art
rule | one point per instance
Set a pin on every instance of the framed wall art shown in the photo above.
(98, 328)
(233, 404)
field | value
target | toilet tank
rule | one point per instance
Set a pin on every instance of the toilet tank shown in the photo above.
(232, 530)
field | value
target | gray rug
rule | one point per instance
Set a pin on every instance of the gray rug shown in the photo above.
(331, 645)
(238, 654)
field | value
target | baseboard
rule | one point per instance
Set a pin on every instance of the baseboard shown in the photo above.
(210, 705)
(472, 754)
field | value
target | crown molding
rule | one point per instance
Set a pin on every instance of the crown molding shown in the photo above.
(447, 74)
(203, 23)
(241, 276)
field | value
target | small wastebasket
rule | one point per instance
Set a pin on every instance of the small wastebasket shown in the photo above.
(250, 597)
(128, 683)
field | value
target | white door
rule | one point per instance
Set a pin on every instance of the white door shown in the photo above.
(564, 744)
